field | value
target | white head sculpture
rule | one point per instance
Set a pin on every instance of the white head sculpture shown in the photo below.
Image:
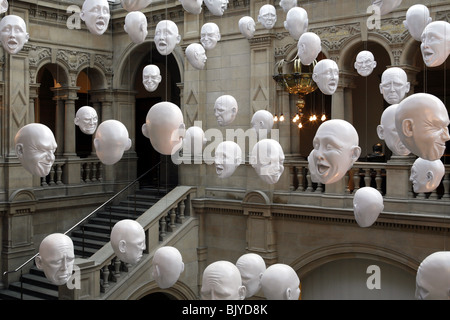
(247, 27)
(151, 77)
(296, 22)
(222, 281)
(227, 158)
(4, 6)
(86, 119)
(335, 151)
(128, 240)
(251, 267)
(280, 282)
(56, 258)
(167, 266)
(422, 123)
(267, 158)
(386, 6)
(435, 46)
(286, 5)
(326, 75)
(216, 7)
(96, 15)
(262, 122)
(166, 37)
(192, 6)
(165, 128)
(13, 33)
(225, 110)
(111, 141)
(35, 147)
(387, 131)
(136, 26)
(309, 46)
(394, 85)
(426, 175)
(196, 55)
(367, 206)
(417, 18)
(267, 16)
(209, 35)
(365, 63)
(194, 141)
(433, 277)
(135, 5)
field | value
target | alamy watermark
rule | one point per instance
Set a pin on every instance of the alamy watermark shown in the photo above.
(374, 280)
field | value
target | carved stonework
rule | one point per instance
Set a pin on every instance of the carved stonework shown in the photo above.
(334, 36)
(37, 54)
(393, 30)
(443, 15)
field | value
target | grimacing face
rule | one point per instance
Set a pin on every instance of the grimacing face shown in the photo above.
(435, 46)
(95, 13)
(225, 110)
(86, 119)
(267, 16)
(151, 77)
(335, 150)
(13, 33)
(394, 85)
(166, 37)
(222, 281)
(365, 63)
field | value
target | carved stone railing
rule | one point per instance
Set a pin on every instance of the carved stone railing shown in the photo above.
(91, 171)
(103, 271)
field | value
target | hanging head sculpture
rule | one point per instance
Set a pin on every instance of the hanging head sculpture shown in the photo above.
(96, 15)
(86, 119)
(435, 46)
(280, 282)
(247, 27)
(209, 35)
(417, 18)
(35, 147)
(225, 109)
(267, 16)
(326, 75)
(433, 277)
(227, 157)
(221, 280)
(394, 85)
(192, 6)
(365, 63)
(13, 33)
(167, 266)
(422, 123)
(426, 175)
(216, 7)
(308, 47)
(267, 158)
(296, 22)
(387, 131)
(151, 77)
(286, 5)
(128, 240)
(3, 6)
(367, 206)
(166, 37)
(262, 123)
(196, 55)
(251, 267)
(136, 26)
(135, 5)
(386, 6)
(111, 141)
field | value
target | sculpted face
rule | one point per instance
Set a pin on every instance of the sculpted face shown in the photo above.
(422, 123)
(228, 157)
(111, 141)
(86, 119)
(4, 6)
(151, 77)
(222, 281)
(166, 37)
(335, 151)
(367, 206)
(247, 27)
(426, 175)
(192, 6)
(216, 7)
(326, 75)
(136, 26)
(13, 33)
(296, 22)
(209, 35)
(387, 131)
(417, 18)
(251, 267)
(35, 147)
(288, 4)
(365, 63)
(128, 240)
(394, 85)
(95, 13)
(225, 110)
(308, 46)
(262, 122)
(433, 277)
(135, 5)
(386, 6)
(194, 141)
(167, 266)
(196, 55)
(435, 45)
(165, 128)
(267, 158)
(56, 258)
(280, 282)
(267, 16)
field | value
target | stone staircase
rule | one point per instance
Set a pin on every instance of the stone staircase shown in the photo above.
(96, 231)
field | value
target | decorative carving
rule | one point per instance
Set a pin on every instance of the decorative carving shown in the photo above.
(334, 36)
(443, 15)
(393, 30)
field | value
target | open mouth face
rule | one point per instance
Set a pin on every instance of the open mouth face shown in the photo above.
(12, 43)
(322, 168)
(100, 24)
(219, 169)
(428, 55)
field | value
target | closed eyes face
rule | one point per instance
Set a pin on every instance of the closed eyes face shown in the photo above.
(431, 134)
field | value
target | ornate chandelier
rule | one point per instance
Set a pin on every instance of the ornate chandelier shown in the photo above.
(298, 82)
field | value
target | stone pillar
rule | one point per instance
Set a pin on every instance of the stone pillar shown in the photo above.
(337, 104)
(397, 176)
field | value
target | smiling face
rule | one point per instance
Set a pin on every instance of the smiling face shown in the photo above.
(95, 13)
(86, 119)
(435, 45)
(209, 35)
(13, 33)
(166, 37)
(335, 150)
(151, 77)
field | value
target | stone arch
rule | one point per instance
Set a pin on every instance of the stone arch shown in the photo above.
(411, 54)
(256, 197)
(316, 258)
(59, 71)
(179, 291)
(96, 76)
